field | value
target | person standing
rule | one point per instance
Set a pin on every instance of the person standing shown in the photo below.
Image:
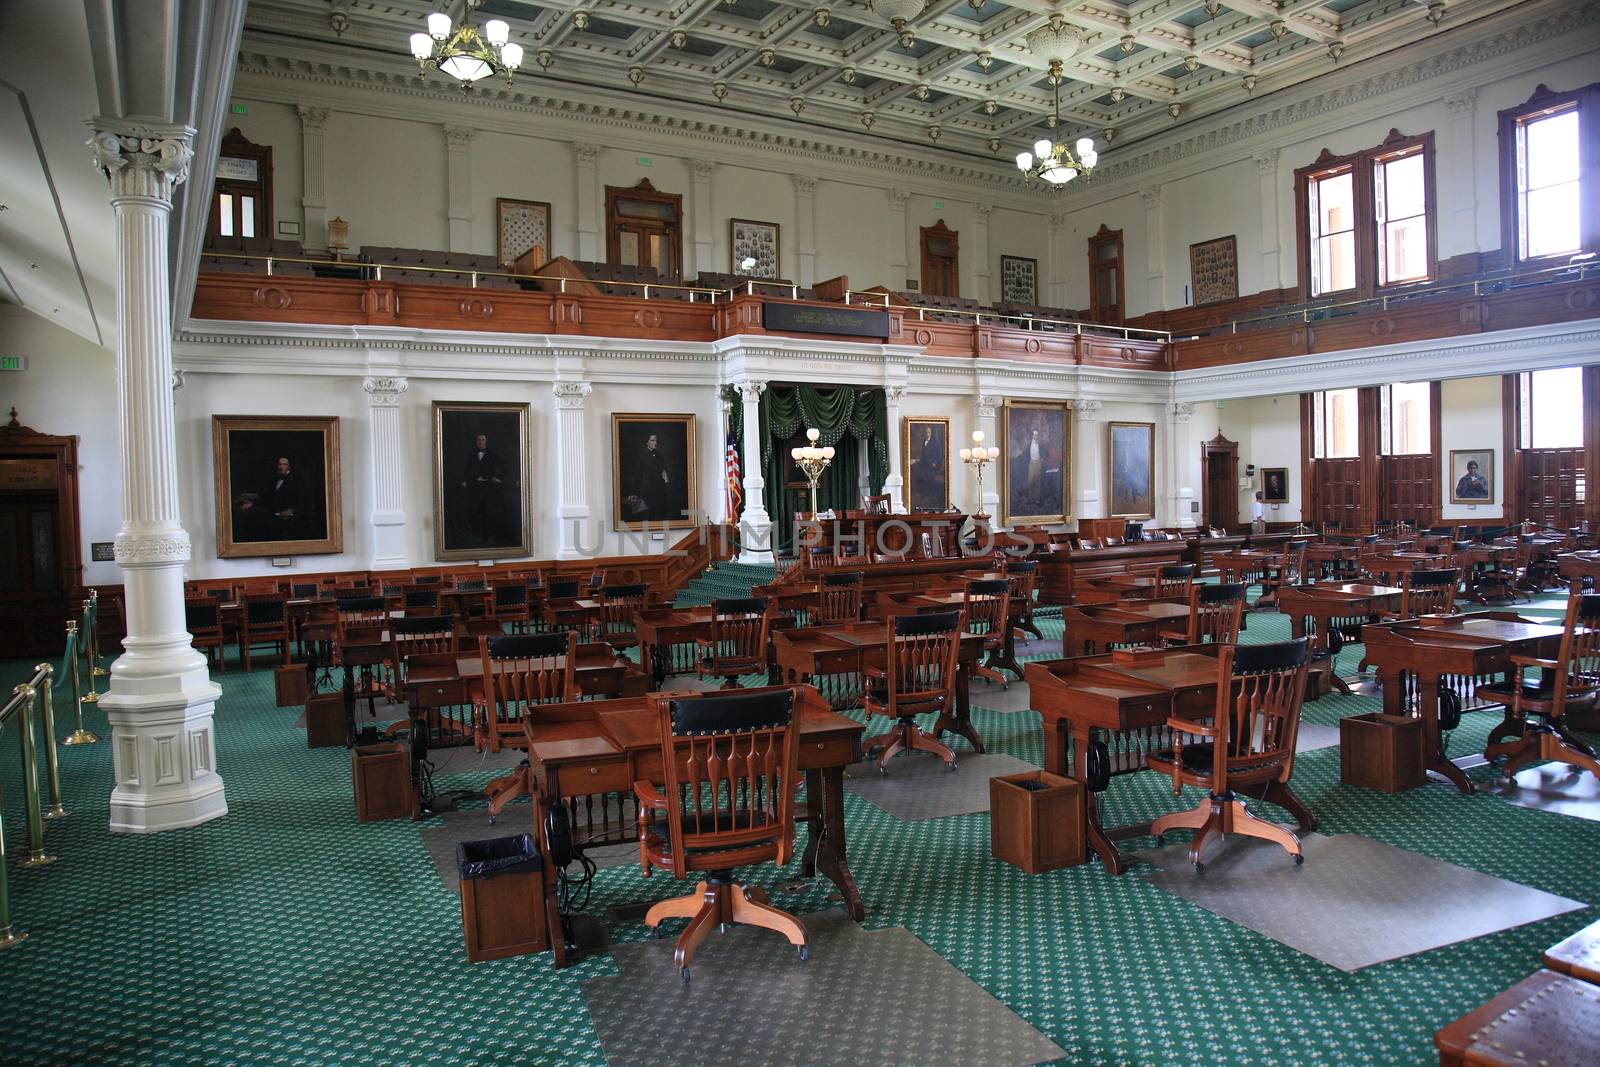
(1258, 514)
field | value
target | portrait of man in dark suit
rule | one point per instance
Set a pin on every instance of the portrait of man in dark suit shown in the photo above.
(1035, 480)
(654, 469)
(480, 471)
(928, 464)
(276, 487)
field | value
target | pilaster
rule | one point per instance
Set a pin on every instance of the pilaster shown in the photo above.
(1175, 496)
(387, 470)
(1055, 289)
(900, 239)
(1155, 251)
(700, 217)
(1460, 177)
(313, 168)
(981, 273)
(1271, 260)
(161, 700)
(755, 523)
(586, 219)
(984, 410)
(804, 271)
(573, 510)
(894, 484)
(458, 149)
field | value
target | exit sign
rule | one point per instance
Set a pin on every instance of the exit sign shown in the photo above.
(13, 362)
(240, 109)
(644, 161)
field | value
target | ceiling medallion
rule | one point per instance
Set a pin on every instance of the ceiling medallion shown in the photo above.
(899, 13)
(1435, 13)
(867, 119)
(1129, 43)
(719, 90)
(848, 75)
(1191, 62)
(677, 38)
(985, 59)
(1250, 83)
(822, 17)
(1279, 28)
(1118, 94)
(580, 20)
(466, 52)
(991, 106)
(769, 56)
(922, 92)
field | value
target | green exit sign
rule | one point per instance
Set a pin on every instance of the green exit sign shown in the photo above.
(240, 109)
(13, 362)
(938, 205)
(644, 161)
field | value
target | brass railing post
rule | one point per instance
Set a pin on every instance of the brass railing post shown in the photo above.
(51, 766)
(86, 650)
(94, 635)
(80, 736)
(37, 857)
(9, 938)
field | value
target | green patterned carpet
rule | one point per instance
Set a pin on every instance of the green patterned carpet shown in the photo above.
(288, 933)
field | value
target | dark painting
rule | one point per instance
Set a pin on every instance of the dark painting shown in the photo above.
(927, 459)
(277, 485)
(1035, 458)
(481, 502)
(1275, 485)
(653, 470)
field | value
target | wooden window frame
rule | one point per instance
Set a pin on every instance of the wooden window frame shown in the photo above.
(647, 192)
(1362, 166)
(1104, 236)
(941, 231)
(1543, 101)
(235, 145)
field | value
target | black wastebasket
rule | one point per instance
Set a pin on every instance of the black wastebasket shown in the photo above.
(502, 897)
(497, 855)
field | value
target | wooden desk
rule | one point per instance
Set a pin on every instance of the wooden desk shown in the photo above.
(1470, 559)
(1246, 565)
(1123, 700)
(1346, 606)
(1333, 558)
(1394, 566)
(1577, 565)
(1090, 628)
(815, 653)
(594, 747)
(1432, 648)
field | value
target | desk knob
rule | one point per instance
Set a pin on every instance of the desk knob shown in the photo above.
(594, 770)
(820, 744)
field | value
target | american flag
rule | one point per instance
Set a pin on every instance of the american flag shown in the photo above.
(734, 490)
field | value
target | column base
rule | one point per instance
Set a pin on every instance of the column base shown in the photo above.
(757, 557)
(164, 758)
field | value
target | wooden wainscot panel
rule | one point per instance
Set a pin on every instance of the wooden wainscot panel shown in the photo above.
(1036, 346)
(939, 338)
(1439, 317)
(260, 298)
(681, 320)
(450, 307)
(1226, 349)
(741, 315)
(1536, 305)
(1132, 353)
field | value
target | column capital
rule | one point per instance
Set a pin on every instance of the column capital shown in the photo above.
(988, 404)
(804, 184)
(1182, 413)
(894, 394)
(384, 391)
(700, 169)
(312, 119)
(750, 391)
(141, 159)
(1267, 162)
(1058, 222)
(571, 395)
(897, 199)
(1086, 410)
(981, 212)
(1150, 198)
(177, 379)
(584, 153)
(1462, 104)
(458, 137)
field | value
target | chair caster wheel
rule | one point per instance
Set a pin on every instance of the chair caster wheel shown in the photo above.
(952, 765)
(655, 932)
(883, 772)
(804, 953)
(1299, 860)
(684, 974)
(1199, 868)
(1161, 839)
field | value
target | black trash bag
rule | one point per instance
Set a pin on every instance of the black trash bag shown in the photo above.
(498, 855)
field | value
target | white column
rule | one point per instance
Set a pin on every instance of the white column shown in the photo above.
(1460, 185)
(700, 219)
(1271, 260)
(980, 253)
(755, 523)
(1155, 252)
(388, 469)
(458, 150)
(894, 484)
(1088, 501)
(161, 698)
(804, 272)
(585, 158)
(1174, 493)
(574, 495)
(899, 240)
(986, 407)
(313, 170)
(1055, 291)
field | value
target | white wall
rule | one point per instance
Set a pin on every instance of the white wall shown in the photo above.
(1471, 418)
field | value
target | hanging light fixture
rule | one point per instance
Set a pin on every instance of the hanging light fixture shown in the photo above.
(900, 13)
(466, 52)
(1056, 42)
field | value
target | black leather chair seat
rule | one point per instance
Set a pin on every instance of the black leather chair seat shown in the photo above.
(723, 823)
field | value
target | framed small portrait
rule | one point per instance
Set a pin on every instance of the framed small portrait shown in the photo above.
(925, 452)
(652, 472)
(1214, 270)
(1275, 485)
(1471, 475)
(480, 481)
(520, 227)
(753, 249)
(1132, 478)
(277, 485)
(1019, 280)
(1035, 461)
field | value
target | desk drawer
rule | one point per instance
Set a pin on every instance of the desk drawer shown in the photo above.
(443, 694)
(599, 776)
(827, 752)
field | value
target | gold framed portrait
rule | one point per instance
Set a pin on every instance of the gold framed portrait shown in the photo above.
(925, 462)
(481, 504)
(653, 471)
(277, 485)
(1035, 462)
(1132, 461)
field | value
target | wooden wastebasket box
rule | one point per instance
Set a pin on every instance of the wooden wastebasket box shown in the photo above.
(382, 775)
(502, 897)
(1382, 752)
(1036, 821)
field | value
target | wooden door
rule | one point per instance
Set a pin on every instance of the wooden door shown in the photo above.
(644, 228)
(941, 260)
(1219, 460)
(1105, 275)
(1554, 487)
(41, 573)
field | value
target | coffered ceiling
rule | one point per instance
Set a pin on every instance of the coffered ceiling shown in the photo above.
(962, 78)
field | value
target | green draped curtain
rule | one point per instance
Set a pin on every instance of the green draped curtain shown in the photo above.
(846, 418)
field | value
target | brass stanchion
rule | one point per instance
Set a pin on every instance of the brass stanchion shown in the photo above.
(37, 857)
(51, 766)
(95, 670)
(80, 736)
(86, 647)
(9, 938)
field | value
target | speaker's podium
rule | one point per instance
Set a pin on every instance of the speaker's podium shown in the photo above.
(917, 535)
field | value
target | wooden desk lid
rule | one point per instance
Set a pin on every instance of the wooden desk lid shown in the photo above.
(1553, 1021)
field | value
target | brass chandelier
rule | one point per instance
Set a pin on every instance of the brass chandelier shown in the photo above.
(465, 52)
(1051, 161)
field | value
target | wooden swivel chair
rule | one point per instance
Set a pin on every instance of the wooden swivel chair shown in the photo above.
(919, 678)
(520, 671)
(202, 617)
(1289, 569)
(1250, 742)
(1175, 581)
(561, 610)
(1535, 721)
(876, 504)
(1215, 612)
(1022, 574)
(839, 598)
(737, 644)
(620, 606)
(1426, 593)
(510, 604)
(418, 635)
(420, 601)
(727, 801)
(987, 604)
(263, 620)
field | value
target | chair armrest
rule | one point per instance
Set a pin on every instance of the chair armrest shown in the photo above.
(1189, 726)
(876, 672)
(1179, 636)
(1535, 661)
(648, 795)
(704, 642)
